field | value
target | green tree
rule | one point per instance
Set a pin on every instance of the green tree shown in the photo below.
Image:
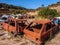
(45, 12)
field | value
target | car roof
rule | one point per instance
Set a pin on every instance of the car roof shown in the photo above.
(42, 21)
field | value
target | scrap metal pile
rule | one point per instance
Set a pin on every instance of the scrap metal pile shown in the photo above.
(36, 30)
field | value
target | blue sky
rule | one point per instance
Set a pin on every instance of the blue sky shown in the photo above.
(30, 4)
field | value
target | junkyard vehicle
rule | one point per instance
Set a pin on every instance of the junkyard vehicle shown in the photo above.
(20, 16)
(58, 22)
(4, 18)
(58, 18)
(15, 25)
(39, 30)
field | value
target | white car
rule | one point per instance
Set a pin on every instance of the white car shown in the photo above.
(4, 18)
(57, 21)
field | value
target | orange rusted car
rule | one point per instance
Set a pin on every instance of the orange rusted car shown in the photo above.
(39, 30)
(15, 25)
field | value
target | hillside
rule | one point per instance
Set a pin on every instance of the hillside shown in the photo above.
(8, 6)
(19, 9)
(52, 6)
(55, 6)
(12, 9)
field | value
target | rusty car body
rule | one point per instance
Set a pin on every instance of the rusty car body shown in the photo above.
(39, 30)
(15, 25)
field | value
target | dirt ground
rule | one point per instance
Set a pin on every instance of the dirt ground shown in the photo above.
(6, 39)
(55, 40)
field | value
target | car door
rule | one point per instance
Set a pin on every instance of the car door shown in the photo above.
(49, 29)
(12, 26)
(33, 31)
(30, 34)
(5, 25)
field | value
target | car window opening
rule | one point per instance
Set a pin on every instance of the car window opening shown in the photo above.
(22, 24)
(49, 26)
(4, 18)
(12, 23)
(35, 26)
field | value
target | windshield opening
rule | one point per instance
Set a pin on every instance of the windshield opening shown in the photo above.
(4, 18)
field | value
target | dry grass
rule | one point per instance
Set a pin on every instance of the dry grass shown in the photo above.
(9, 40)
